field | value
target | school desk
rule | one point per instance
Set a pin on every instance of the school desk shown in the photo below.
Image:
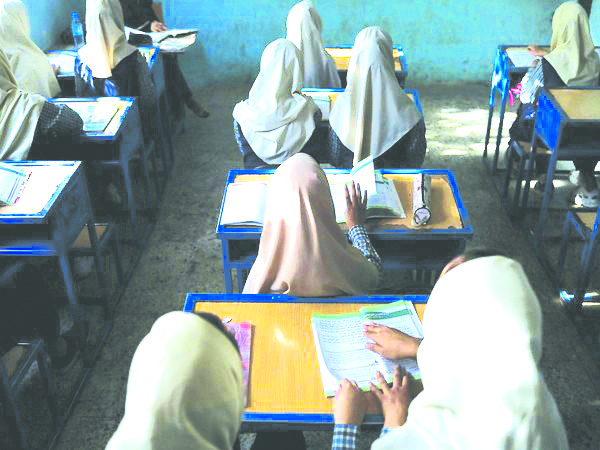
(401, 245)
(510, 64)
(285, 388)
(341, 55)
(51, 213)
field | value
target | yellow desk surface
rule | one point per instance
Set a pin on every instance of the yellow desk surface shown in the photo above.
(284, 370)
(579, 103)
(341, 56)
(444, 210)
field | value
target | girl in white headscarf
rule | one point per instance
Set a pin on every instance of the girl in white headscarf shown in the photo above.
(28, 63)
(373, 116)
(479, 361)
(276, 121)
(304, 30)
(28, 118)
(184, 390)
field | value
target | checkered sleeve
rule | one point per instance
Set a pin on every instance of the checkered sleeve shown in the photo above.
(344, 437)
(360, 239)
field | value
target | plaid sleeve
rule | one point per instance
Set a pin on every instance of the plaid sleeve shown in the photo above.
(344, 437)
(360, 239)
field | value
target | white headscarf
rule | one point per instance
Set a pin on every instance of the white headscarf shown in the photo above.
(28, 63)
(106, 45)
(276, 119)
(482, 386)
(184, 389)
(373, 113)
(304, 30)
(19, 114)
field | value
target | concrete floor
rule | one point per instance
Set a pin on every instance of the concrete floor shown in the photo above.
(183, 256)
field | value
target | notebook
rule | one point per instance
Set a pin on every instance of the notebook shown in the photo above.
(96, 115)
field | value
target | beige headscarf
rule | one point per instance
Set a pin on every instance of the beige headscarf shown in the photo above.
(28, 63)
(303, 251)
(304, 30)
(184, 389)
(276, 119)
(479, 361)
(105, 37)
(572, 52)
(373, 113)
(19, 114)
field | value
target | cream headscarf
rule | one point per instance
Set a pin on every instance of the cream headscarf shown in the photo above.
(373, 113)
(105, 37)
(277, 120)
(303, 251)
(184, 389)
(28, 63)
(19, 114)
(479, 361)
(304, 30)
(572, 52)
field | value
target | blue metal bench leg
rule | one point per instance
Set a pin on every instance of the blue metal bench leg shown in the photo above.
(489, 124)
(100, 273)
(587, 265)
(146, 175)
(562, 254)
(74, 306)
(13, 413)
(117, 257)
(131, 204)
(240, 279)
(50, 389)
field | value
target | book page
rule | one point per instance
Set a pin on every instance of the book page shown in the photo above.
(364, 174)
(245, 203)
(64, 61)
(520, 56)
(385, 202)
(95, 115)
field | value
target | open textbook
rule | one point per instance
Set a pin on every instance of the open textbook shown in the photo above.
(174, 40)
(340, 344)
(12, 183)
(95, 115)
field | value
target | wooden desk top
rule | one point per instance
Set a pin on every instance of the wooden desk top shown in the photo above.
(444, 209)
(341, 56)
(284, 370)
(579, 104)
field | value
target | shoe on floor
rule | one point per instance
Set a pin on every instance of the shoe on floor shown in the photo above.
(540, 185)
(587, 199)
(197, 109)
(63, 353)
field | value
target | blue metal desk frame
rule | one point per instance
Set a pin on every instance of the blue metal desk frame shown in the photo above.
(266, 421)
(232, 236)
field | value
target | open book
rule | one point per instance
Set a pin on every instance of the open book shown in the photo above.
(340, 343)
(12, 183)
(323, 98)
(95, 115)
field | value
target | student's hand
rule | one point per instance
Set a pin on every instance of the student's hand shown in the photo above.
(55, 69)
(394, 401)
(356, 206)
(390, 343)
(349, 404)
(157, 26)
(536, 50)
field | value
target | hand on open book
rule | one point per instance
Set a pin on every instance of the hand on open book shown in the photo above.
(536, 50)
(394, 400)
(391, 343)
(349, 404)
(356, 206)
(157, 26)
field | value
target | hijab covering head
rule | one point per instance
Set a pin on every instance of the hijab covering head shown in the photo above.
(105, 37)
(303, 251)
(19, 114)
(373, 113)
(479, 361)
(184, 389)
(276, 119)
(28, 63)
(572, 52)
(304, 30)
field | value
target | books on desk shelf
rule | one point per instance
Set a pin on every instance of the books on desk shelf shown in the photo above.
(95, 115)
(323, 98)
(12, 183)
(340, 344)
(242, 332)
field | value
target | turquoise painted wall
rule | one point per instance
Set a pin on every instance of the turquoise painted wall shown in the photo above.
(449, 40)
(49, 18)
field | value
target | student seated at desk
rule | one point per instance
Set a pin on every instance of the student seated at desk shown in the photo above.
(302, 250)
(479, 361)
(277, 121)
(571, 61)
(304, 30)
(28, 118)
(374, 116)
(184, 389)
(28, 63)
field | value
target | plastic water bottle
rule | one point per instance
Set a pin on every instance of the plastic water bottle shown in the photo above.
(77, 30)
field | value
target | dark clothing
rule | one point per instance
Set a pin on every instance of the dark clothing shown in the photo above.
(178, 90)
(407, 153)
(57, 128)
(138, 14)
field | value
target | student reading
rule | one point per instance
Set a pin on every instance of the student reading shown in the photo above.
(184, 389)
(140, 14)
(479, 361)
(571, 61)
(374, 116)
(28, 118)
(28, 63)
(304, 30)
(276, 121)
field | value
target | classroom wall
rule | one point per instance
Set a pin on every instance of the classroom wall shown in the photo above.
(49, 18)
(445, 40)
